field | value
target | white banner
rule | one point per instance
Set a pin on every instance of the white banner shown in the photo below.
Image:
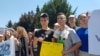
(94, 32)
(7, 48)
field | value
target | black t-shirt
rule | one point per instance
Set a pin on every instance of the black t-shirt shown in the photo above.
(46, 34)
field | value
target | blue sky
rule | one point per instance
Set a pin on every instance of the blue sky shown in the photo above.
(12, 9)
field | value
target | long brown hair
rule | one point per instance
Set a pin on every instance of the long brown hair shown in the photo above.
(31, 34)
(21, 30)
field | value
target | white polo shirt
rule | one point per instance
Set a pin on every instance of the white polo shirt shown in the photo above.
(69, 36)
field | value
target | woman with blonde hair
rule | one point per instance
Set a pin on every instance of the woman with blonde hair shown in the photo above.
(23, 39)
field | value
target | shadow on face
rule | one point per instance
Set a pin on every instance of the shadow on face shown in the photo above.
(61, 19)
(44, 21)
(71, 20)
(7, 34)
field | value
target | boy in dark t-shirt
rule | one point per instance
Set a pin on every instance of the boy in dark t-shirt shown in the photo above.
(44, 34)
(47, 35)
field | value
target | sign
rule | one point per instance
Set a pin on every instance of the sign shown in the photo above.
(94, 32)
(7, 48)
(51, 49)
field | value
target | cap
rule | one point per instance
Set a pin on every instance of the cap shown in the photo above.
(71, 16)
(44, 15)
(56, 24)
(83, 14)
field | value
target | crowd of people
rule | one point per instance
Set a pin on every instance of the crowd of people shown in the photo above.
(74, 38)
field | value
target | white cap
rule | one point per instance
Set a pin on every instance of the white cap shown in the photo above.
(56, 24)
(83, 14)
(71, 16)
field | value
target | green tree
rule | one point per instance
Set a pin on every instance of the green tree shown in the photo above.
(9, 25)
(30, 20)
(14, 26)
(53, 7)
(27, 21)
(36, 18)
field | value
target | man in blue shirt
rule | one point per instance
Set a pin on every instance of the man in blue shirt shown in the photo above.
(83, 34)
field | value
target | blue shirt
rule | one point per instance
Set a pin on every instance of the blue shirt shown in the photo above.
(83, 35)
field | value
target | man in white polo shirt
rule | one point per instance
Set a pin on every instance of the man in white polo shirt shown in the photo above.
(67, 36)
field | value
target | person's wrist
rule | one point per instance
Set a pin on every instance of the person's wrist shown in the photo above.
(67, 51)
(35, 48)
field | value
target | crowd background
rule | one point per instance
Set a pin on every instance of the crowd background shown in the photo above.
(29, 43)
(28, 30)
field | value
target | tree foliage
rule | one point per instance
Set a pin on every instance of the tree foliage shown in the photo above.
(9, 25)
(31, 20)
(53, 7)
(27, 21)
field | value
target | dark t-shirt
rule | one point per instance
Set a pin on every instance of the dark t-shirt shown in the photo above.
(46, 34)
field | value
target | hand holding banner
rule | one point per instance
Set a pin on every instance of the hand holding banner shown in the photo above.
(7, 48)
